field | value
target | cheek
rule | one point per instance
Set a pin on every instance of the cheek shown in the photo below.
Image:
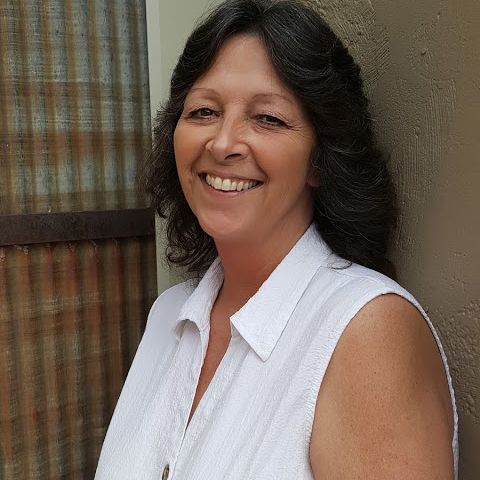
(179, 146)
(187, 147)
(180, 149)
(287, 163)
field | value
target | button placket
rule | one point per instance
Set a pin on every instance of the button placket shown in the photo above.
(184, 388)
(187, 389)
(207, 403)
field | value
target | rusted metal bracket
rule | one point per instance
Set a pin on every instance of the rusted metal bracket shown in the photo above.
(72, 226)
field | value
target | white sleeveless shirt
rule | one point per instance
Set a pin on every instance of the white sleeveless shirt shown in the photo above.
(255, 419)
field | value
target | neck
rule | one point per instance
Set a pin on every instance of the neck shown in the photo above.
(247, 266)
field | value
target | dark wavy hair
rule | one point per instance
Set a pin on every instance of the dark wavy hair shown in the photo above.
(354, 206)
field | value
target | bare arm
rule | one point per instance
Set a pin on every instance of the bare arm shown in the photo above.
(384, 411)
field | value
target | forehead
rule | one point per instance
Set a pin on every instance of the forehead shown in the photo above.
(243, 67)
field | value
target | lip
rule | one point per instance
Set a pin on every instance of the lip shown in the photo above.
(220, 193)
(230, 175)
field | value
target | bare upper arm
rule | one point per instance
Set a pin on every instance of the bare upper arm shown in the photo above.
(384, 409)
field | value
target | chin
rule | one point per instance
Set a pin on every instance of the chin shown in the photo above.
(223, 230)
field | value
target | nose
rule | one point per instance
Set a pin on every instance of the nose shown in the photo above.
(227, 142)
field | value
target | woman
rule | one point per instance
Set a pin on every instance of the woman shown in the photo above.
(291, 355)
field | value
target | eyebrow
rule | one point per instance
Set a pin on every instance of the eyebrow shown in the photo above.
(262, 96)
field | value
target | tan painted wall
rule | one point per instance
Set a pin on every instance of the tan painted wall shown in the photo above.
(421, 66)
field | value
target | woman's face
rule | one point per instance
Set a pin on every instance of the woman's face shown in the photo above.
(243, 146)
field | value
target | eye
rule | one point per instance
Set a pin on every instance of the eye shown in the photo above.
(203, 112)
(270, 120)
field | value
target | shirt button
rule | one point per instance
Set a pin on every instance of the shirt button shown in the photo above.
(166, 471)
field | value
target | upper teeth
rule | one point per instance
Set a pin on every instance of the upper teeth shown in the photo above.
(228, 185)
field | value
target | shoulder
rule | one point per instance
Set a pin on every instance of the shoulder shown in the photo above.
(362, 278)
(168, 303)
(384, 397)
(346, 288)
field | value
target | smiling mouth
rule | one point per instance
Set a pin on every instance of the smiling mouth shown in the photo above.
(228, 184)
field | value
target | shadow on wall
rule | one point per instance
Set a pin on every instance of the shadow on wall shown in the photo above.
(421, 75)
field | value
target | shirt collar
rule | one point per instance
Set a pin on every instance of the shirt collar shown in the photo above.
(263, 318)
(199, 304)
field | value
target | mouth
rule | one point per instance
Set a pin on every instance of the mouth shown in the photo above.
(229, 185)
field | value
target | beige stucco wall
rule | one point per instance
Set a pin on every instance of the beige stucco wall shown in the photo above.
(422, 70)
(421, 66)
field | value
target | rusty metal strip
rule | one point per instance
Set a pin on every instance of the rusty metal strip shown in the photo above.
(73, 226)
(137, 40)
(7, 168)
(97, 97)
(113, 22)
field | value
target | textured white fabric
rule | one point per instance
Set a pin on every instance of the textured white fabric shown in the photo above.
(255, 419)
